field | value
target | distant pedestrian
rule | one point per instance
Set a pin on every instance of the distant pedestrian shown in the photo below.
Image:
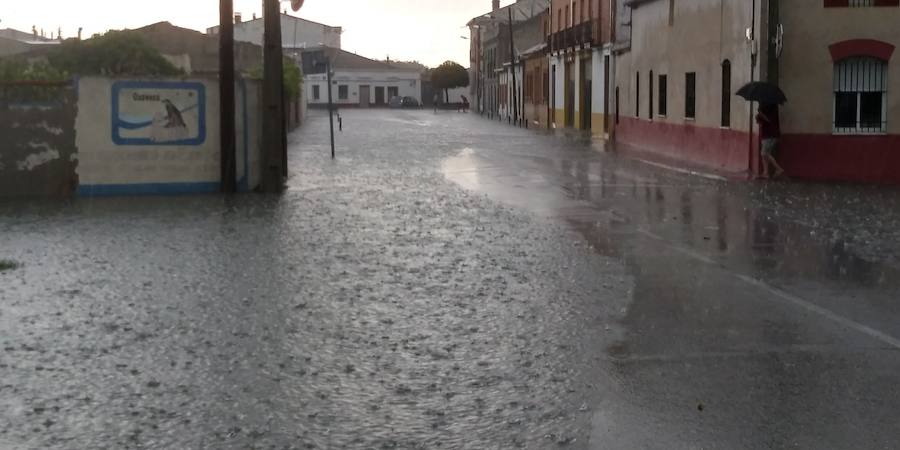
(465, 103)
(770, 135)
(436, 101)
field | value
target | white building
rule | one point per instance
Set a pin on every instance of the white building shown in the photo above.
(14, 42)
(357, 81)
(296, 33)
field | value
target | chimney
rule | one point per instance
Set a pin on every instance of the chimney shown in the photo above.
(496, 5)
(237, 18)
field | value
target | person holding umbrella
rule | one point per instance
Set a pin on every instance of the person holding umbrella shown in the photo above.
(769, 97)
(769, 134)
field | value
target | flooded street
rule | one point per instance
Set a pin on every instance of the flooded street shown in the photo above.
(452, 282)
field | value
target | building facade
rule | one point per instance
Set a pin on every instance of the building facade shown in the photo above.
(677, 75)
(296, 33)
(357, 81)
(537, 92)
(837, 63)
(660, 76)
(498, 43)
(195, 52)
(578, 38)
(15, 42)
(675, 81)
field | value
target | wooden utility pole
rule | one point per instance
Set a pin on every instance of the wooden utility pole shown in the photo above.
(512, 66)
(228, 158)
(330, 103)
(273, 96)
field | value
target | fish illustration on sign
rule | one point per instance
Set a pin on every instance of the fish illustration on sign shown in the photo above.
(168, 127)
(159, 113)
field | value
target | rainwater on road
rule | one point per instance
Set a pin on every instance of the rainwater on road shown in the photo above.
(452, 282)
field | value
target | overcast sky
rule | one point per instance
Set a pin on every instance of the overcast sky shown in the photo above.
(425, 30)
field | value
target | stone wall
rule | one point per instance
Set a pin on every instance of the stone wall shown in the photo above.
(38, 156)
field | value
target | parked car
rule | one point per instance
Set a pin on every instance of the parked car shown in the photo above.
(409, 102)
(403, 102)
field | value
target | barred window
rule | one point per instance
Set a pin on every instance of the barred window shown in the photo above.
(860, 95)
(860, 3)
(663, 95)
(690, 95)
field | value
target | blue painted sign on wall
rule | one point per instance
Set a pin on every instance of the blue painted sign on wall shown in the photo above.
(158, 113)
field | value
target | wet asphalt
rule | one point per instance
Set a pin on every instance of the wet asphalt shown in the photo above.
(452, 282)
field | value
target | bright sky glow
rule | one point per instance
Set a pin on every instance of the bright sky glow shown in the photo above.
(425, 30)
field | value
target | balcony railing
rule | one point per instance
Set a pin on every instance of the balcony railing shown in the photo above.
(584, 34)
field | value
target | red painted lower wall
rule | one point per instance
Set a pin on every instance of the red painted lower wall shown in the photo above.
(719, 149)
(825, 157)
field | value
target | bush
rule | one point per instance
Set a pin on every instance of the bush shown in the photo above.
(6, 264)
(113, 54)
(293, 77)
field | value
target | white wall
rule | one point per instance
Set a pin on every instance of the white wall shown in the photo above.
(111, 166)
(408, 84)
(597, 94)
(507, 110)
(455, 94)
(560, 82)
(295, 33)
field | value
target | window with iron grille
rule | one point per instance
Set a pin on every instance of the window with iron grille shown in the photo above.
(316, 92)
(637, 95)
(663, 95)
(726, 94)
(690, 94)
(860, 3)
(860, 95)
(343, 92)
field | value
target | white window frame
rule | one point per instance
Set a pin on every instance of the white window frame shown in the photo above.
(858, 130)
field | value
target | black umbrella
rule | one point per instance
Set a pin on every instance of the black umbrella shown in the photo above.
(762, 92)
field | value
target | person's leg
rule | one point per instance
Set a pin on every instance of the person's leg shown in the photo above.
(766, 154)
(778, 169)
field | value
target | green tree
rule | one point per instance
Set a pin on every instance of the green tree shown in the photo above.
(20, 70)
(114, 53)
(293, 77)
(449, 75)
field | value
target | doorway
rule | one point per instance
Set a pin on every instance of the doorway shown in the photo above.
(551, 117)
(364, 96)
(606, 94)
(379, 95)
(570, 96)
(587, 84)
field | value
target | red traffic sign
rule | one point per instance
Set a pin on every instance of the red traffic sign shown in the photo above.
(296, 5)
